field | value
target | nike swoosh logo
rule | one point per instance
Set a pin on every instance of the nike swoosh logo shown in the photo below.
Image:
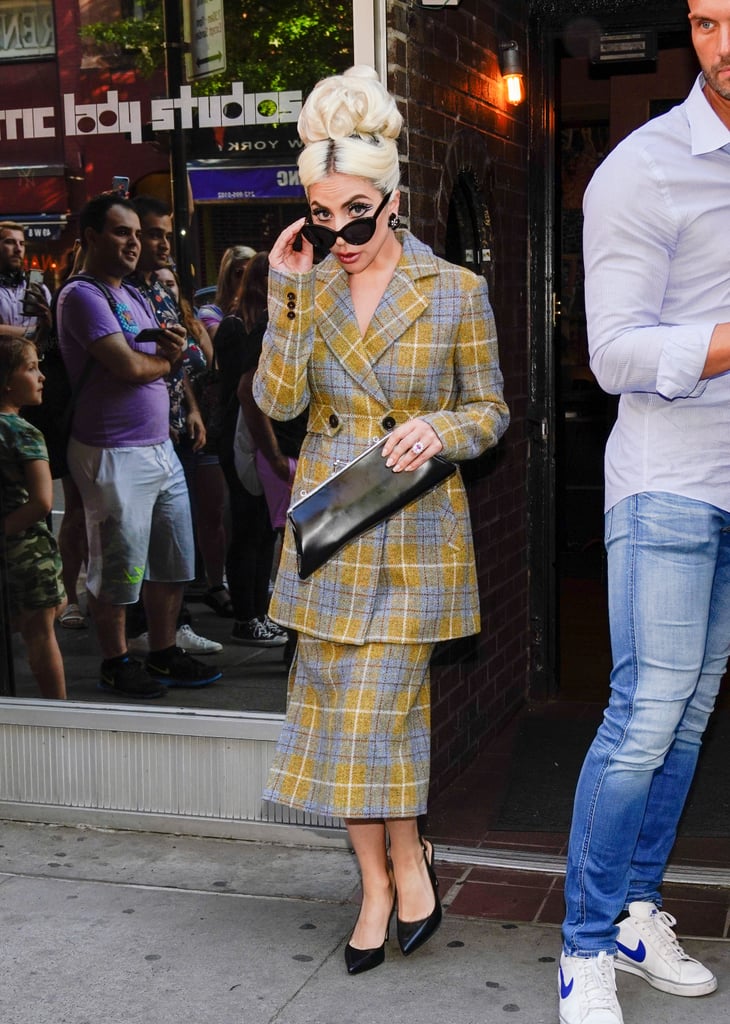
(159, 670)
(638, 955)
(565, 990)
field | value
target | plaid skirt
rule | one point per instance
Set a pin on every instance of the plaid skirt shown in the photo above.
(356, 742)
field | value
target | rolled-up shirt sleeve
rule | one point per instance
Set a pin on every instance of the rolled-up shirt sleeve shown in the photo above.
(631, 229)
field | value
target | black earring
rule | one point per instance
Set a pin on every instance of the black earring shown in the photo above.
(394, 221)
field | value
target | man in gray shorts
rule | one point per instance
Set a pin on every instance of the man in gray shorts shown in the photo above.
(122, 460)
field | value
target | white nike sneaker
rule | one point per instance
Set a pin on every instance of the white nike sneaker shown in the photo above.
(191, 643)
(139, 644)
(185, 638)
(587, 990)
(648, 947)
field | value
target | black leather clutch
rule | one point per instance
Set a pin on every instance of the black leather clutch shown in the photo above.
(356, 498)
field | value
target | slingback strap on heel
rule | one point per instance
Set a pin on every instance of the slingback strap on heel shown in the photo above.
(412, 934)
(358, 961)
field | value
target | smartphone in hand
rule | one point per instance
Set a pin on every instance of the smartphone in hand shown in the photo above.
(34, 300)
(155, 334)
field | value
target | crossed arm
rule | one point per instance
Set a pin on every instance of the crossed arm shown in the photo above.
(134, 367)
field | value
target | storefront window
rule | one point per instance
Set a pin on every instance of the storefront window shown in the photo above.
(241, 148)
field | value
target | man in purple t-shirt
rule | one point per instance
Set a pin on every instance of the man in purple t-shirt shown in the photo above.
(122, 460)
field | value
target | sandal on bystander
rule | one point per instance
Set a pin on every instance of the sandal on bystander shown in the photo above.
(72, 618)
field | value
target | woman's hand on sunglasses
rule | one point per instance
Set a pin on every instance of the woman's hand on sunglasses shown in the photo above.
(291, 252)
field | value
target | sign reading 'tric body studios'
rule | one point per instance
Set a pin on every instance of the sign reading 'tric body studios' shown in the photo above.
(115, 116)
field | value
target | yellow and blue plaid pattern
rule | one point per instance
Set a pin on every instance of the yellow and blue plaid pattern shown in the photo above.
(356, 741)
(430, 351)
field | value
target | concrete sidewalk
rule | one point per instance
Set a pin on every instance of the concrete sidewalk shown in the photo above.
(135, 928)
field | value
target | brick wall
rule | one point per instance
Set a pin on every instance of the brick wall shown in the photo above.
(443, 66)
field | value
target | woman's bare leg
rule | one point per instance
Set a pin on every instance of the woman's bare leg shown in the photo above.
(368, 842)
(415, 892)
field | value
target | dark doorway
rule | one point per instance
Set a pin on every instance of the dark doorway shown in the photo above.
(596, 107)
(580, 109)
(526, 778)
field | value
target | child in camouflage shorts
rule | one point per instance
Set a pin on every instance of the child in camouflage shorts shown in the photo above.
(32, 569)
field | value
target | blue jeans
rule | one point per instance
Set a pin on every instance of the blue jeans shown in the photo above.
(669, 610)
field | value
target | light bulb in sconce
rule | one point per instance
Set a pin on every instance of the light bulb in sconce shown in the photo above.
(512, 72)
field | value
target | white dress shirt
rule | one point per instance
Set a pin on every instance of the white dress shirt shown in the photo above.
(11, 306)
(657, 263)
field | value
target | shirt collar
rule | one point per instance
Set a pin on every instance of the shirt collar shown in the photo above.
(707, 132)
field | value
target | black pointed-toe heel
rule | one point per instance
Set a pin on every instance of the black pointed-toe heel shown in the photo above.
(412, 934)
(358, 961)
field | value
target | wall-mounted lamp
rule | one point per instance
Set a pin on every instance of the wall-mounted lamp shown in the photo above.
(512, 72)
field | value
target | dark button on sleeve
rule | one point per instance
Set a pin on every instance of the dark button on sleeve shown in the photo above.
(388, 422)
(291, 316)
(291, 296)
(333, 420)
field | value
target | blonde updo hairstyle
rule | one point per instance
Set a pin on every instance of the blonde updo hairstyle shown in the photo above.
(349, 124)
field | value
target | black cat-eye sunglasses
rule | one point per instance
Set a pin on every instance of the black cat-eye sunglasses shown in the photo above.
(357, 232)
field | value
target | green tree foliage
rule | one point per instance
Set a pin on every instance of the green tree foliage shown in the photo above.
(140, 39)
(270, 44)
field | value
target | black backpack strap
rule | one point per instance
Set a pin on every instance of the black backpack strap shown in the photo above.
(103, 288)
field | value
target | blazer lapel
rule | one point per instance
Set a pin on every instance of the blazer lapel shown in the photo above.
(336, 322)
(399, 307)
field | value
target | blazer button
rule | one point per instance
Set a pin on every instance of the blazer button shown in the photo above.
(334, 421)
(291, 296)
(388, 422)
(291, 316)
(291, 305)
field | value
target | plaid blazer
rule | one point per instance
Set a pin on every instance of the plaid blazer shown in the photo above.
(430, 351)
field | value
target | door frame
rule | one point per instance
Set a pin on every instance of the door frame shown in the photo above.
(542, 382)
